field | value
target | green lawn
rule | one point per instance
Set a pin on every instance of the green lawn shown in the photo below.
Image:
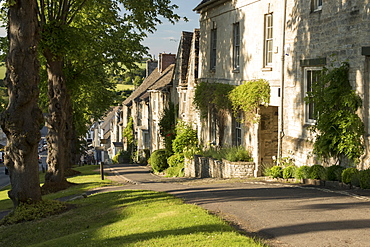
(124, 218)
(121, 87)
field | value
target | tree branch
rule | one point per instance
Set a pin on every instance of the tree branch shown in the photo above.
(75, 12)
(41, 12)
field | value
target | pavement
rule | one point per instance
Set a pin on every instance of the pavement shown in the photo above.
(280, 214)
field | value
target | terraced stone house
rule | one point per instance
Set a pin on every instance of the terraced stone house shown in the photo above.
(286, 43)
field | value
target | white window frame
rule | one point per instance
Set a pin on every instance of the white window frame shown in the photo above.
(236, 46)
(307, 86)
(238, 132)
(316, 5)
(183, 103)
(268, 40)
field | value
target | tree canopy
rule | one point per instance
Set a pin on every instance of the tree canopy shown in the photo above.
(82, 43)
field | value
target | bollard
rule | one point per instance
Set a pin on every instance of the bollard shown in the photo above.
(102, 170)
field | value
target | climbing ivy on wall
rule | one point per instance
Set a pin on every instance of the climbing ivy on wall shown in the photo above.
(338, 128)
(210, 96)
(128, 133)
(248, 97)
(167, 125)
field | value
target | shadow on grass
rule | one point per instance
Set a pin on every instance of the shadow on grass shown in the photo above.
(203, 230)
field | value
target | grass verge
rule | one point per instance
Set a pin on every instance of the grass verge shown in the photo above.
(124, 218)
(87, 180)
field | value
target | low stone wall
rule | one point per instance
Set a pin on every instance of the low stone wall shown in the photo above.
(203, 167)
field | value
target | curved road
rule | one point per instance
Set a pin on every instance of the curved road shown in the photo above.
(283, 214)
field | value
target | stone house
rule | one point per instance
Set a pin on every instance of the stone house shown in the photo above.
(317, 34)
(286, 43)
(186, 80)
(106, 135)
(165, 84)
(146, 103)
(238, 43)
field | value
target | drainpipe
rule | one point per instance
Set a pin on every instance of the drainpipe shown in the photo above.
(282, 78)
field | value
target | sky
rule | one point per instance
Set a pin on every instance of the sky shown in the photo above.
(166, 38)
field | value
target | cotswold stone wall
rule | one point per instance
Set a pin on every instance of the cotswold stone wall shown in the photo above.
(203, 167)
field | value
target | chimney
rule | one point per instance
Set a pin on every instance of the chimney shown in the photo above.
(151, 65)
(165, 60)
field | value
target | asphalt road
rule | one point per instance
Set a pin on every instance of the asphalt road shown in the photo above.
(4, 179)
(283, 214)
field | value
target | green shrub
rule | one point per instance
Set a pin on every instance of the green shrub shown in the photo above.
(158, 160)
(289, 171)
(121, 156)
(176, 160)
(355, 179)
(186, 138)
(348, 174)
(214, 153)
(233, 154)
(334, 173)
(266, 169)
(176, 165)
(302, 172)
(276, 172)
(238, 153)
(28, 212)
(175, 171)
(317, 172)
(364, 177)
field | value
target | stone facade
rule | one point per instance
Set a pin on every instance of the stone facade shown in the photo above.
(325, 36)
(282, 42)
(250, 18)
(306, 35)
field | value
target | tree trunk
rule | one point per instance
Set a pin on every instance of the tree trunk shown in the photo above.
(69, 131)
(22, 119)
(57, 124)
(74, 147)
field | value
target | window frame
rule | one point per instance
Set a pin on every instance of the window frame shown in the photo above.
(238, 133)
(236, 46)
(316, 5)
(309, 107)
(213, 49)
(268, 40)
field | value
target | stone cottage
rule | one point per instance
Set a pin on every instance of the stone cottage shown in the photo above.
(168, 82)
(286, 43)
(144, 105)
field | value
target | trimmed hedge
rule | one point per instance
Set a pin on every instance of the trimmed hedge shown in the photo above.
(302, 172)
(348, 174)
(364, 179)
(289, 171)
(317, 172)
(334, 173)
(158, 160)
